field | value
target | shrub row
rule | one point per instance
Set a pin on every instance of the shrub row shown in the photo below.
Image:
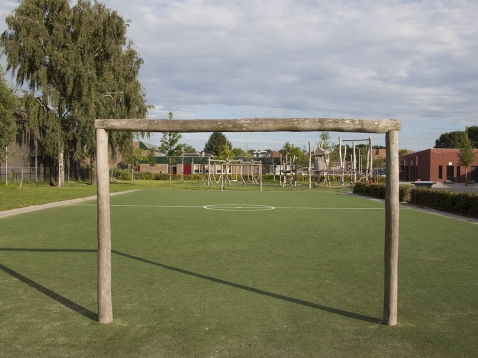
(377, 190)
(126, 175)
(461, 203)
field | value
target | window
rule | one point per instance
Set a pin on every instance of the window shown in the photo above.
(458, 173)
(440, 172)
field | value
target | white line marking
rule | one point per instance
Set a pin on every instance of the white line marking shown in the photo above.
(240, 207)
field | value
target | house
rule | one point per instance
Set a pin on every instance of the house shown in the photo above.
(438, 165)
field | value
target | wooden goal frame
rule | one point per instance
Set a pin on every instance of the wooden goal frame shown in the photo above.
(388, 126)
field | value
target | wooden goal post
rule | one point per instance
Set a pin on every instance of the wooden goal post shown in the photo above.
(388, 126)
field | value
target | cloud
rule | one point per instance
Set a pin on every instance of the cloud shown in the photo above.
(410, 60)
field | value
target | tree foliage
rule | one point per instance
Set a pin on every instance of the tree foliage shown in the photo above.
(8, 125)
(455, 139)
(325, 142)
(78, 66)
(291, 150)
(450, 140)
(151, 157)
(189, 148)
(238, 152)
(473, 136)
(226, 152)
(170, 145)
(216, 143)
(466, 156)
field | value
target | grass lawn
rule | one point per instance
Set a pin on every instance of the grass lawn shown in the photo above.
(271, 274)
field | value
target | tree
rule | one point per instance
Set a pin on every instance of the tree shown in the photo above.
(226, 153)
(238, 152)
(78, 66)
(188, 148)
(8, 125)
(215, 143)
(466, 156)
(450, 140)
(473, 136)
(170, 146)
(291, 150)
(325, 142)
(151, 157)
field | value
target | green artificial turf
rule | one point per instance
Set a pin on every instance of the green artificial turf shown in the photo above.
(303, 278)
(13, 196)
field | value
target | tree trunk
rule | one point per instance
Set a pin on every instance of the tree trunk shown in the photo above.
(170, 173)
(93, 171)
(61, 168)
(310, 167)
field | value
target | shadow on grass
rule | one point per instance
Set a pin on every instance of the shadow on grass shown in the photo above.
(255, 290)
(57, 297)
(94, 316)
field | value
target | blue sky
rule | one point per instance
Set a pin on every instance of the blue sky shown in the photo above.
(410, 60)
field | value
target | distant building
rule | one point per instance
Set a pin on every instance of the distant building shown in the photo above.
(436, 165)
(382, 153)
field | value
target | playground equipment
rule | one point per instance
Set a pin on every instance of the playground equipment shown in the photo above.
(354, 167)
(247, 171)
(327, 171)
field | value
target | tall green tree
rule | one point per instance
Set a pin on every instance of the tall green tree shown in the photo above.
(189, 149)
(325, 142)
(78, 66)
(171, 147)
(290, 150)
(473, 136)
(216, 143)
(466, 156)
(151, 158)
(450, 140)
(226, 153)
(8, 125)
(238, 152)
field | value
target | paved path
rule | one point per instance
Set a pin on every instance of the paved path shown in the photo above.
(28, 209)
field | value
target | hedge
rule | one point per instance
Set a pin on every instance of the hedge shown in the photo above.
(126, 175)
(377, 190)
(454, 202)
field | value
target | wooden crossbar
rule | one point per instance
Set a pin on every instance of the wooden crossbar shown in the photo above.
(251, 125)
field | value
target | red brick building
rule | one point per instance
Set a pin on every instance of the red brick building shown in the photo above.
(436, 165)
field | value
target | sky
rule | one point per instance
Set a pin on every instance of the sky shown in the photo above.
(411, 60)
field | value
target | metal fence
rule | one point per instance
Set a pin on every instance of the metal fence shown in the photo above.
(41, 174)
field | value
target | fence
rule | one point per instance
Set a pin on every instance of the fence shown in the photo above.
(41, 174)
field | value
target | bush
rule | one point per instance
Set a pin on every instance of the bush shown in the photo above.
(123, 174)
(377, 190)
(144, 175)
(462, 203)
